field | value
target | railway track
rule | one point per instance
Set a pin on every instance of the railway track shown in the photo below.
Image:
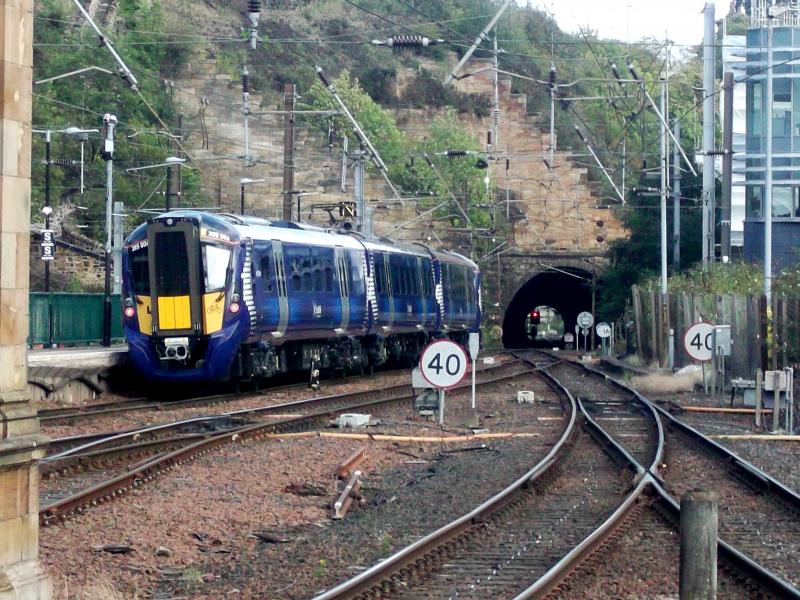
(78, 478)
(74, 414)
(548, 528)
(758, 514)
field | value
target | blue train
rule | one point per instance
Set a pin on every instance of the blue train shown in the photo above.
(215, 297)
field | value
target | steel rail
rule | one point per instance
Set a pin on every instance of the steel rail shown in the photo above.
(72, 413)
(377, 574)
(77, 503)
(554, 577)
(736, 558)
(291, 406)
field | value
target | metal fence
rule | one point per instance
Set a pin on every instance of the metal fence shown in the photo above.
(77, 319)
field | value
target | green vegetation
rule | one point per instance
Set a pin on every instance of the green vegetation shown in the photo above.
(299, 34)
(405, 156)
(61, 46)
(734, 278)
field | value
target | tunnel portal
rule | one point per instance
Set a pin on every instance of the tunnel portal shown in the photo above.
(568, 291)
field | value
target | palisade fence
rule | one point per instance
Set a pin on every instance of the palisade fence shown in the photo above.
(77, 319)
(747, 316)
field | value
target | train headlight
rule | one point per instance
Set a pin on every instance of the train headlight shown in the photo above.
(234, 307)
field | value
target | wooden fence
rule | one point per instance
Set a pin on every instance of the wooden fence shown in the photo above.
(747, 316)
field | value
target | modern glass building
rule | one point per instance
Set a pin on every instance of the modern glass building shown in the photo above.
(785, 138)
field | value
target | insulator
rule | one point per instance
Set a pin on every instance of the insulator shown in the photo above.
(452, 153)
(322, 77)
(254, 6)
(411, 41)
(552, 79)
(496, 116)
(245, 81)
(580, 134)
(489, 138)
(615, 71)
(508, 165)
(633, 72)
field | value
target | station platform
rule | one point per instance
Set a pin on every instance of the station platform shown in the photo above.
(67, 376)
(83, 358)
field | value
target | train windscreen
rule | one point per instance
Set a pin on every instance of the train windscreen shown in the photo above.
(140, 266)
(215, 267)
(172, 264)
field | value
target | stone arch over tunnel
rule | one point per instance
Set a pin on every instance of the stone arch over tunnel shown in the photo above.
(568, 290)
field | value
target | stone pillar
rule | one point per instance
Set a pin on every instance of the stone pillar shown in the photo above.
(21, 575)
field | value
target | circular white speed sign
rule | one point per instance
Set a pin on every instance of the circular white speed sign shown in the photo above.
(443, 364)
(585, 319)
(603, 330)
(698, 341)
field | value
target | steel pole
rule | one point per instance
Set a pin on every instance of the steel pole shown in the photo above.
(663, 193)
(727, 169)
(47, 165)
(676, 203)
(768, 177)
(708, 135)
(110, 122)
(168, 194)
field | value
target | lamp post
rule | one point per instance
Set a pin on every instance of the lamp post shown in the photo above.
(243, 182)
(110, 122)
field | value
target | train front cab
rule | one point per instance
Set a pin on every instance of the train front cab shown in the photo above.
(189, 316)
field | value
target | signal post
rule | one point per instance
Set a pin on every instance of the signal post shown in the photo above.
(21, 445)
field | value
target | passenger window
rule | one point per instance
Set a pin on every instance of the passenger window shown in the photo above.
(328, 276)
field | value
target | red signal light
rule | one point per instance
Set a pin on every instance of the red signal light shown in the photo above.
(535, 314)
(234, 307)
(130, 312)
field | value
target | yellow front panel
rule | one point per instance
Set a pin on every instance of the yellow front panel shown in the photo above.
(183, 312)
(213, 309)
(166, 313)
(145, 314)
(174, 312)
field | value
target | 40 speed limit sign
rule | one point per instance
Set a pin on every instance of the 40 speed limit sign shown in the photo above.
(698, 341)
(443, 364)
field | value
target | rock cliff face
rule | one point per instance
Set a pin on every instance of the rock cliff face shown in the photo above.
(550, 208)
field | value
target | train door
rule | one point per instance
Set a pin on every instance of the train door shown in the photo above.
(175, 277)
(265, 287)
(357, 299)
(344, 290)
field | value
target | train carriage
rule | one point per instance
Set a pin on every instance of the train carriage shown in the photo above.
(211, 297)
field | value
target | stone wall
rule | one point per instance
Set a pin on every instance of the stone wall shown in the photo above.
(78, 258)
(553, 209)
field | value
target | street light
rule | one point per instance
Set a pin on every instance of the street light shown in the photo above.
(243, 182)
(169, 162)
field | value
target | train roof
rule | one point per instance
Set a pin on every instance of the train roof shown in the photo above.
(257, 228)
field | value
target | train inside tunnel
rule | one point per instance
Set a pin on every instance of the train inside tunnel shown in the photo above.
(546, 307)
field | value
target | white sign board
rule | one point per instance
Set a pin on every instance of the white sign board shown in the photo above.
(569, 338)
(474, 345)
(699, 340)
(585, 319)
(603, 330)
(443, 364)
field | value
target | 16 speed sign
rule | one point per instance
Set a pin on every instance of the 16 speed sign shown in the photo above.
(698, 341)
(443, 364)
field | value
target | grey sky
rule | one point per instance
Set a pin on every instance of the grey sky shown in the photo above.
(682, 20)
